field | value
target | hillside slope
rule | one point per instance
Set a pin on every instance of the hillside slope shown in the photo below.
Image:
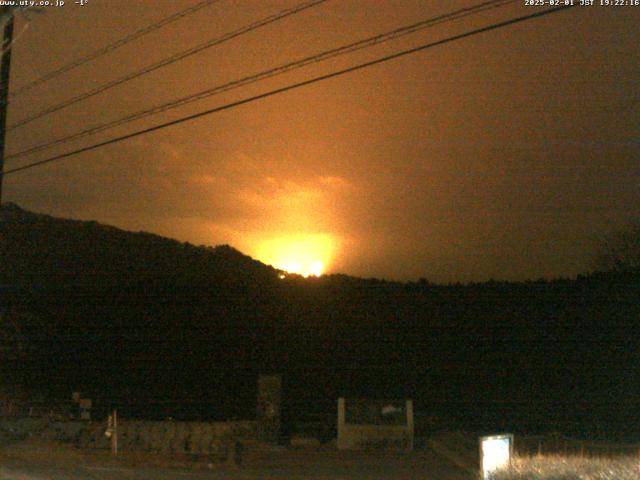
(38, 248)
(161, 327)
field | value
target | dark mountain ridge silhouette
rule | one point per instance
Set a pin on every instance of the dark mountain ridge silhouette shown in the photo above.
(86, 250)
(164, 328)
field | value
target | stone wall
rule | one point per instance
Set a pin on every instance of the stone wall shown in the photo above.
(214, 439)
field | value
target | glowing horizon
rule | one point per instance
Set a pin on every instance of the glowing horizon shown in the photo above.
(301, 254)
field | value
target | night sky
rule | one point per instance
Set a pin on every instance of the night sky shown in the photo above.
(505, 155)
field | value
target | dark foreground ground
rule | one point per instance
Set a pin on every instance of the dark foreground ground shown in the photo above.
(36, 460)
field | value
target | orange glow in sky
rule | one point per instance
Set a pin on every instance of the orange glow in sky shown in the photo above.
(304, 254)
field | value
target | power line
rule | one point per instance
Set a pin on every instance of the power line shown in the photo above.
(167, 61)
(294, 86)
(113, 46)
(349, 48)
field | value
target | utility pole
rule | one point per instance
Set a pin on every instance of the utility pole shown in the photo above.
(6, 15)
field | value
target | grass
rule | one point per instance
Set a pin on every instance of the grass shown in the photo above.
(559, 467)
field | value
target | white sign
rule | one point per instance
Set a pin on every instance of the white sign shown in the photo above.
(495, 453)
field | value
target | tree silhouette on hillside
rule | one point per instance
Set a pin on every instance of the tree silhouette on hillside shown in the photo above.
(620, 251)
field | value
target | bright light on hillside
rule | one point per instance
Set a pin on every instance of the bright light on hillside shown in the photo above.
(306, 255)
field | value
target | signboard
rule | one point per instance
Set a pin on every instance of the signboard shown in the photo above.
(365, 424)
(269, 407)
(375, 412)
(495, 454)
